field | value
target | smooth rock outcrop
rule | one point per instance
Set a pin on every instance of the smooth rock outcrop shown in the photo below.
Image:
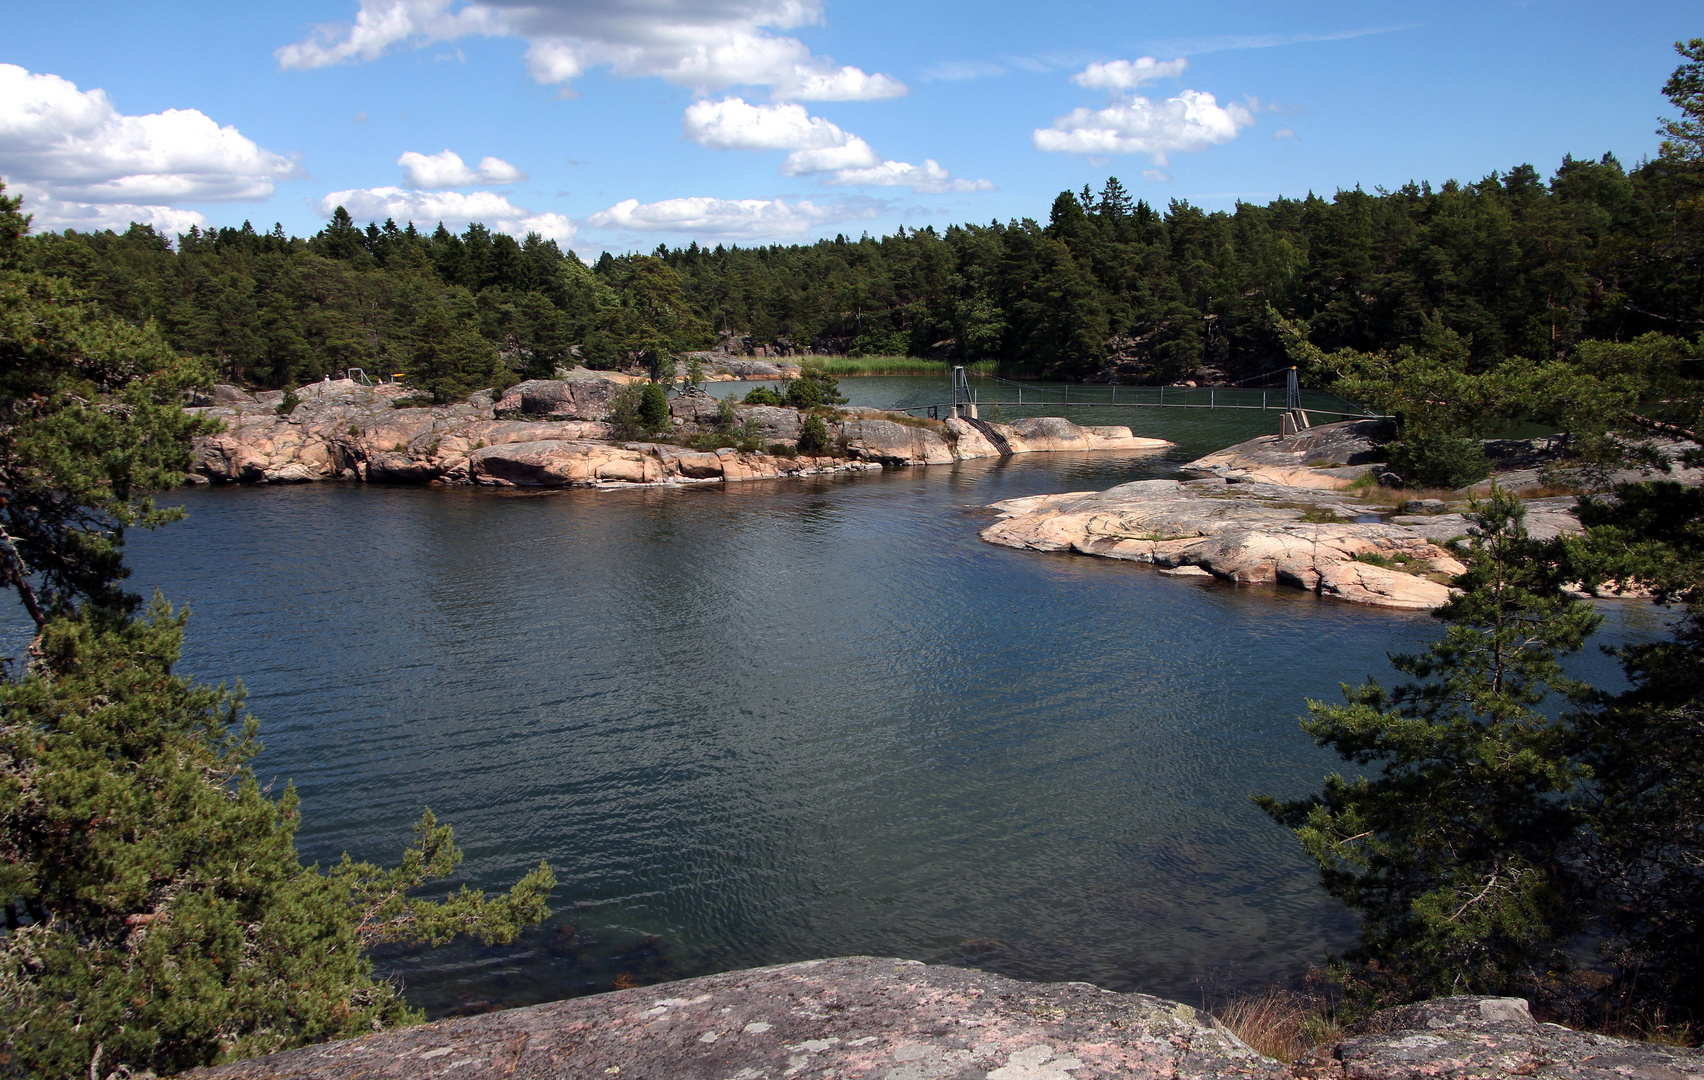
(550, 433)
(862, 1018)
(582, 395)
(1328, 457)
(855, 1017)
(1248, 533)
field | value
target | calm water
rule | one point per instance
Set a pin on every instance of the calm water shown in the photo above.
(781, 720)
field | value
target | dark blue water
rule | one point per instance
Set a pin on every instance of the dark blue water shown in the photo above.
(763, 722)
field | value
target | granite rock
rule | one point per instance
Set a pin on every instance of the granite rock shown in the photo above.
(855, 1017)
(1482, 1038)
(1257, 535)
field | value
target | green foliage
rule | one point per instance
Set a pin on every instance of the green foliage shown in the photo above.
(880, 341)
(449, 359)
(624, 411)
(1452, 841)
(287, 404)
(1513, 265)
(653, 407)
(156, 914)
(813, 436)
(1439, 461)
(1645, 748)
(726, 415)
(1683, 138)
(91, 421)
(814, 387)
(763, 395)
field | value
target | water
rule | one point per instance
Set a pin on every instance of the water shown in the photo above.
(788, 719)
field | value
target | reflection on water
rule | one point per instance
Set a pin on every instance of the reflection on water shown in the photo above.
(779, 720)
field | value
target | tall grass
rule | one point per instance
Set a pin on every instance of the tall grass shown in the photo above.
(892, 365)
(1282, 1024)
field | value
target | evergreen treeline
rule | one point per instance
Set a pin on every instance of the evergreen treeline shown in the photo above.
(1515, 265)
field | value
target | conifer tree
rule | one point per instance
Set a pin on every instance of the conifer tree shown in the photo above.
(1453, 842)
(155, 915)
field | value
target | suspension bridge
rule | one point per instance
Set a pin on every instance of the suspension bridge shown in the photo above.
(969, 401)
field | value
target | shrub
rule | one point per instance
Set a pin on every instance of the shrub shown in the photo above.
(813, 436)
(1446, 461)
(288, 404)
(653, 407)
(763, 395)
(624, 410)
(726, 415)
(814, 387)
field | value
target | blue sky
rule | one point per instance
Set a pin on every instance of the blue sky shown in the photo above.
(621, 124)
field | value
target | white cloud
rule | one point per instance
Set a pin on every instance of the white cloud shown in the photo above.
(1191, 121)
(72, 149)
(731, 124)
(927, 179)
(742, 219)
(383, 23)
(54, 215)
(447, 170)
(819, 147)
(1128, 74)
(455, 209)
(1284, 133)
(704, 44)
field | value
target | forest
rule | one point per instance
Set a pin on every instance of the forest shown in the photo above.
(1107, 288)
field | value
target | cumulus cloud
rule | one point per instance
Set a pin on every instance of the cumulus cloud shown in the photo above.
(739, 219)
(704, 44)
(1128, 74)
(454, 208)
(447, 170)
(53, 215)
(818, 147)
(1191, 121)
(927, 179)
(81, 160)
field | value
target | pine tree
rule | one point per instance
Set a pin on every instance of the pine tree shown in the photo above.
(155, 914)
(1452, 843)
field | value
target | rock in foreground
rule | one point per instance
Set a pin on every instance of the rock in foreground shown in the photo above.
(861, 1018)
(851, 1017)
(1470, 1038)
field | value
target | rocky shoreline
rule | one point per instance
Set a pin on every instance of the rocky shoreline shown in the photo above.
(1268, 511)
(888, 1019)
(554, 433)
